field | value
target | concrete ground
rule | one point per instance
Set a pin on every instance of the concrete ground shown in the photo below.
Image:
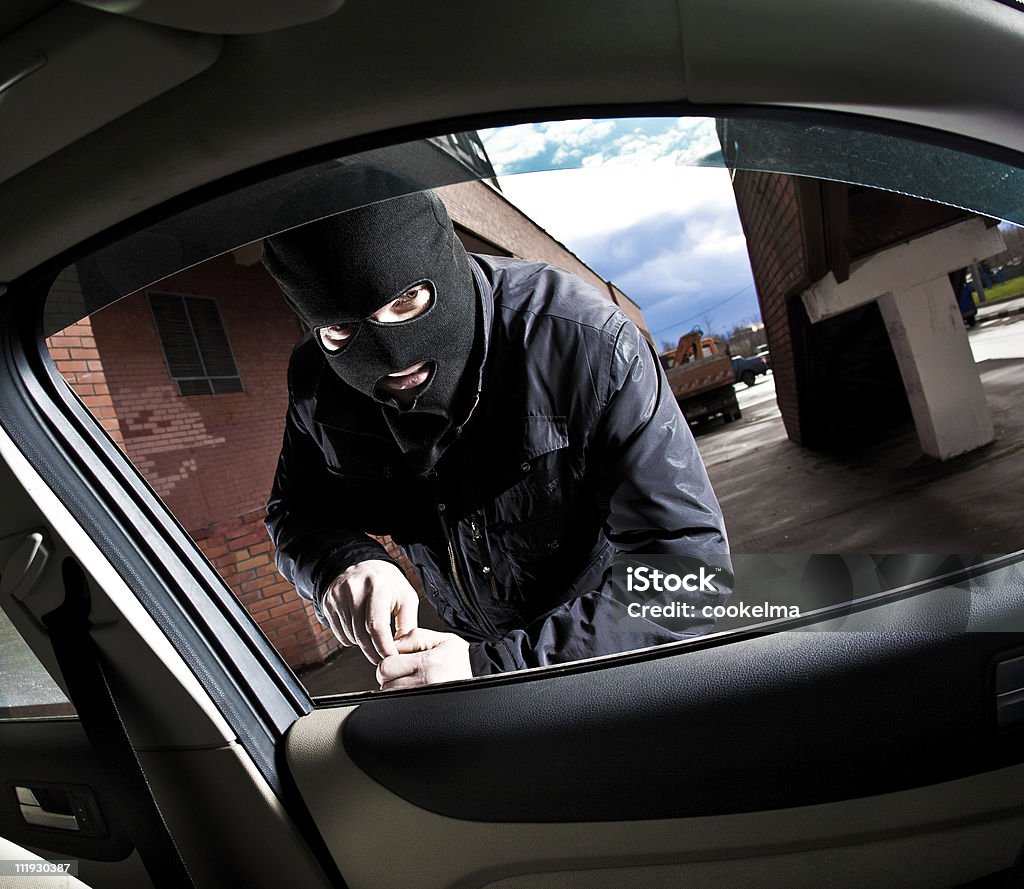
(782, 503)
(778, 497)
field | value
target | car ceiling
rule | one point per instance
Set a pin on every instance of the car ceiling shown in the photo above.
(269, 95)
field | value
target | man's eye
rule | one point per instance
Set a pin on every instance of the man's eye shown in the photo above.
(411, 296)
(333, 338)
(410, 304)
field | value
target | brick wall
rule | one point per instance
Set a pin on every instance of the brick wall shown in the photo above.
(211, 458)
(75, 353)
(769, 211)
(240, 550)
(208, 456)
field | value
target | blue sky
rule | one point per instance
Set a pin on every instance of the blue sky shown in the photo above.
(646, 204)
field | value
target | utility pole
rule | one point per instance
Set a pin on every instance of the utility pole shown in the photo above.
(979, 287)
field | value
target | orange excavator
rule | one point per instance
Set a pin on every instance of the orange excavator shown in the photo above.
(701, 378)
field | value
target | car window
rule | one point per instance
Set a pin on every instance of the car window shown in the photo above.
(26, 688)
(815, 307)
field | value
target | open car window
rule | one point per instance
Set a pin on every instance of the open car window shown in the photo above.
(831, 312)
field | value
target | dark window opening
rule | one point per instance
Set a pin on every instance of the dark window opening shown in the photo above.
(195, 344)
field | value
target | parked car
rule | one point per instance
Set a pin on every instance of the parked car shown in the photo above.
(747, 369)
(155, 737)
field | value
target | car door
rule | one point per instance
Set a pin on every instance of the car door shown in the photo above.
(883, 728)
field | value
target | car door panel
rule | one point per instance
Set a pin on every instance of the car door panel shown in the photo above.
(942, 835)
(874, 736)
(895, 702)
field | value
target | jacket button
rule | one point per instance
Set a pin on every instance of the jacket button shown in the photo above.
(553, 545)
(525, 467)
(387, 472)
(440, 507)
(486, 569)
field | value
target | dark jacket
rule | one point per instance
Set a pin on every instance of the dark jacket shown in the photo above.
(576, 450)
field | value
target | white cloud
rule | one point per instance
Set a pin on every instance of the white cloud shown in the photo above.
(574, 205)
(690, 141)
(646, 205)
(510, 145)
(678, 141)
(669, 236)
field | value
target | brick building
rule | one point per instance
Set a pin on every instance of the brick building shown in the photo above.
(206, 432)
(859, 309)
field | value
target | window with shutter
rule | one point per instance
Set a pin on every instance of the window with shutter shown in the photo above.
(195, 344)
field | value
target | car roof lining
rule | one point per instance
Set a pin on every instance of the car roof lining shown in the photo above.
(15, 14)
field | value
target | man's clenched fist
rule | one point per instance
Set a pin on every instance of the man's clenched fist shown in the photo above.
(360, 603)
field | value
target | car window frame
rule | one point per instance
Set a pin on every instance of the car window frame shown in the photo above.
(72, 442)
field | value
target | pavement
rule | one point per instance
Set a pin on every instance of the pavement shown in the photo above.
(1004, 308)
(782, 502)
(889, 498)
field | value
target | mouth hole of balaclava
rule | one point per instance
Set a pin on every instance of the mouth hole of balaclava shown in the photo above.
(390, 398)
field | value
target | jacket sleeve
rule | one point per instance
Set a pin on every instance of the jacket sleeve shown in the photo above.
(313, 542)
(656, 500)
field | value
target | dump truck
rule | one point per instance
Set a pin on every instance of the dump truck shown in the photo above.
(701, 378)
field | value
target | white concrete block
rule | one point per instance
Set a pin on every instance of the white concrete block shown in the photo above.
(903, 267)
(941, 380)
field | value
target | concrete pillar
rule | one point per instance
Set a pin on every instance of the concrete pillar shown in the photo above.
(927, 334)
(943, 387)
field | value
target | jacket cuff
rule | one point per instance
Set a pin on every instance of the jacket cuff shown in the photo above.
(489, 658)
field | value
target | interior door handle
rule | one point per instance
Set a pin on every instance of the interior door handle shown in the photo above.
(71, 808)
(49, 812)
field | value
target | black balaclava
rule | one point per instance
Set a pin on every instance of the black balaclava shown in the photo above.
(342, 269)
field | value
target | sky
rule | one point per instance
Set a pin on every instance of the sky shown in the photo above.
(626, 198)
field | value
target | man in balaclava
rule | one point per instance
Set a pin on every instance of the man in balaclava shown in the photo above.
(502, 422)
(387, 292)
(338, 274)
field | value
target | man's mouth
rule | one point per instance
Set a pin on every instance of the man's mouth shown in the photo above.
(408, 379)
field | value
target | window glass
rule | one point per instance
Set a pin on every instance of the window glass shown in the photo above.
(27, 690)
(843, 355)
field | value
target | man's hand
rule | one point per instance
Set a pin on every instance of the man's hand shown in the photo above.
(425, 657)
(361, 601)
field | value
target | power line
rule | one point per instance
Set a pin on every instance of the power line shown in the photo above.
(742, 290)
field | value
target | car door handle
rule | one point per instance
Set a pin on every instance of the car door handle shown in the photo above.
(54, 810)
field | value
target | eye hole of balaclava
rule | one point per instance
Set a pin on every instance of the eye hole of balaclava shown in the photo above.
(413, 303)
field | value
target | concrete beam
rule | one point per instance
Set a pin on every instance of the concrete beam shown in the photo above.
(942, 383)
(903, 267)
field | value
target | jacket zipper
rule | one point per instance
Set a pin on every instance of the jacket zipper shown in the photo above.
(456, 577)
